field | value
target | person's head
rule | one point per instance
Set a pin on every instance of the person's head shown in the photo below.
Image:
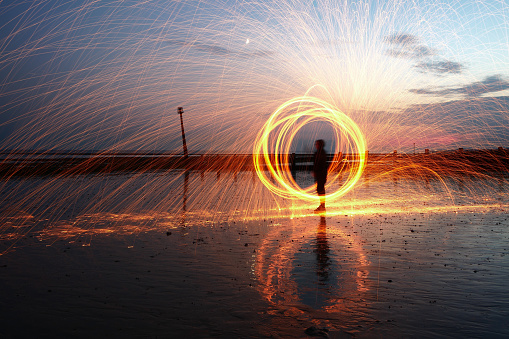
(319, 144)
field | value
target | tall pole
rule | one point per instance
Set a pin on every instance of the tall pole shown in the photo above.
(180, 111)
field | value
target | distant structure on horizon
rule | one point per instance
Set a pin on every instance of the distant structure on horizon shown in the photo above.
(180, 112)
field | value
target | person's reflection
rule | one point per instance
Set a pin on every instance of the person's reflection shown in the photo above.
(322, 252)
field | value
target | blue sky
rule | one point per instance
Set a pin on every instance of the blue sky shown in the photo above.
(110, 74)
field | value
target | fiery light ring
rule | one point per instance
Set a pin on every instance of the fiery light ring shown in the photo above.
(272, 147)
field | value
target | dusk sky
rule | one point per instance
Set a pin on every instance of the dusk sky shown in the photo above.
(111, 74)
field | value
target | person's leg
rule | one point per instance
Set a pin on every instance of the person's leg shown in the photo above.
(320, 189)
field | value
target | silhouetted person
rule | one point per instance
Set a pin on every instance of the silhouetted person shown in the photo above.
(320, 168)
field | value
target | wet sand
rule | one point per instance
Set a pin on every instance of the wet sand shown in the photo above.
(386, 272)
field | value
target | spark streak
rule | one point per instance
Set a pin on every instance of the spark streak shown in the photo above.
(108, 77)
(273, 143)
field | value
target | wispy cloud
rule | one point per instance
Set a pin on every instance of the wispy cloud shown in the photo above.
(402, 39)
(413, 52)
(472, 120)
(219, 50)
(440, 67)
(407, 46)
(493, 83)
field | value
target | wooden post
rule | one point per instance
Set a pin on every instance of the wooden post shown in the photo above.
(180, 111)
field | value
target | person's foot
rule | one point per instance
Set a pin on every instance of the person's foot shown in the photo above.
(320, 208)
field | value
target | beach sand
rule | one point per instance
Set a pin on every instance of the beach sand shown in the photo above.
(386, 272)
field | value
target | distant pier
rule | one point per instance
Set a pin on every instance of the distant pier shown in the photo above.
(41, 163)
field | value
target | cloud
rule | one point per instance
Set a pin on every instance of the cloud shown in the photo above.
(413, 52)
(423, 91)
(493, 83)
(440, 67)
(478, 122)
(218, 50)
(402, 39)
(474, 121)
(407, 46)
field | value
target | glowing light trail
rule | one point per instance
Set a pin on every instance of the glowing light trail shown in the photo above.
(102, 76)
(273, 143)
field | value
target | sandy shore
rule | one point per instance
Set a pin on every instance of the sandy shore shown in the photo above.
(427, 275)
(370, 267)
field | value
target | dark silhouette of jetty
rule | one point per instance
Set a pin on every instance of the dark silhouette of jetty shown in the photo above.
(50, 163)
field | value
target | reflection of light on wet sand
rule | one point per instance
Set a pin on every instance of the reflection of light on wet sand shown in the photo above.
(121, 205)
(366, 207)
(121, 224)
(90, 225)
(276, 259)
(109, 224)
(15, 225)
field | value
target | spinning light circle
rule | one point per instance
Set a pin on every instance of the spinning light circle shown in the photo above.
(271, 151)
